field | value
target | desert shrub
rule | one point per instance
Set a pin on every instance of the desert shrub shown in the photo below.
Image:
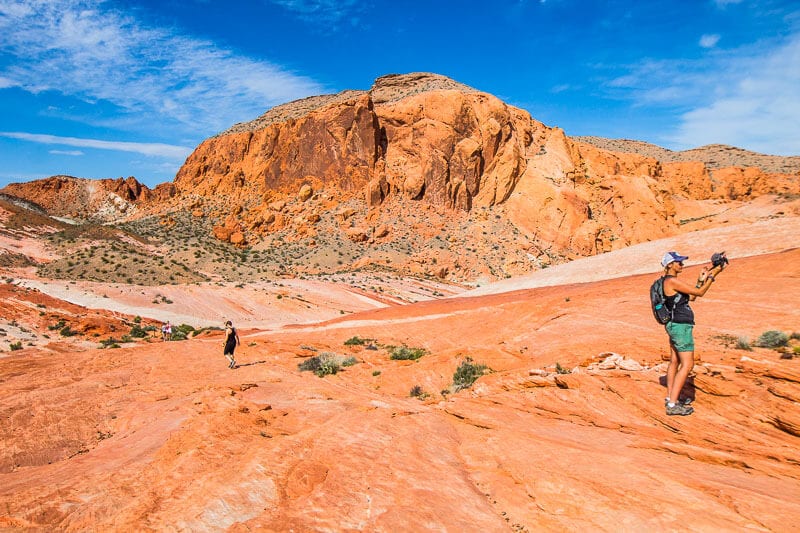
(355, 341)
(110, 342)
(322, 364)
(14, 346)
(58, 325)
(350, 361)
(418, 392)
(795, 335)
(138, 332)
(376, 372)
(772, 339)
(182, 332)
(743, 344)
(404, 353)
(67, 332)
(561, 370)
(467, 373)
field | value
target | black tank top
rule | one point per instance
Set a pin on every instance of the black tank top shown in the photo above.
(678, 303)
(230, 342)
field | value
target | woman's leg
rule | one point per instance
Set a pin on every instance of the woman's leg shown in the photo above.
(685, 366)
(672, 368)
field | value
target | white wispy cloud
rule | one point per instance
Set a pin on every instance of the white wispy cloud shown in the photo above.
(709, 40)
(150, 149)
(745, 97)
(324, 13)
(89, 50)
(65, 152)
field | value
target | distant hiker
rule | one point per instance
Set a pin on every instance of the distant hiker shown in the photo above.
(681, 324)
(166, 331)
(231, 341)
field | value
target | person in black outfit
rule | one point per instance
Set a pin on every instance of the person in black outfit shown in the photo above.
(231, 341)
(680, 328)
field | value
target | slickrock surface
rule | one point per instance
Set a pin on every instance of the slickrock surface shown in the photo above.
(164, 436)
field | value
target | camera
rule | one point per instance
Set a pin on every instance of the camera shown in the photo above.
(719, 260)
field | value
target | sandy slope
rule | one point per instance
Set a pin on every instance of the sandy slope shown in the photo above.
(164, 437)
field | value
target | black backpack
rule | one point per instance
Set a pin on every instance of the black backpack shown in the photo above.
(658, 302)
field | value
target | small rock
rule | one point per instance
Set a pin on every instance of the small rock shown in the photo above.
(305, 193)
(630, 364)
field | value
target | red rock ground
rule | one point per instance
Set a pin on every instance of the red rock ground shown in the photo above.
(162, 436)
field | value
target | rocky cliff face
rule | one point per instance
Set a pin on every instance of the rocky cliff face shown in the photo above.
(104, 200)
(426, 138)
(422, 136)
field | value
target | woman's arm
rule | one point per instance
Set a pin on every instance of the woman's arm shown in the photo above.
(674, 285)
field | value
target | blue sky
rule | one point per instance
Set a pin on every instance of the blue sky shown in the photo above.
(103, 89)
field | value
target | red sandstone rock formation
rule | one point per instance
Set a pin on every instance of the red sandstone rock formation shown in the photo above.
(103, 200)
(428, 138)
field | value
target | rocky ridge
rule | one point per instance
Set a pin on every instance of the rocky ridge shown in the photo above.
(103, 200)
(714, 156)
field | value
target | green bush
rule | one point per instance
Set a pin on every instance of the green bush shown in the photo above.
(467, 373)
(355, 341)
(322, 364)
(404, 353)
(772, 339)
(110, 342)
(66, 332)
(138, 332)
(14, 346)
(181, 333)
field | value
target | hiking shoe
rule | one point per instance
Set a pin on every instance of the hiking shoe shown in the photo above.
(680, 410)
(681, 401)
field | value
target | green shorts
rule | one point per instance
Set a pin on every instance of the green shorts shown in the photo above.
(680, 336)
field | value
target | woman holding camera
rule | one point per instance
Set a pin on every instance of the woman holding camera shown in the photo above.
(680, 327)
